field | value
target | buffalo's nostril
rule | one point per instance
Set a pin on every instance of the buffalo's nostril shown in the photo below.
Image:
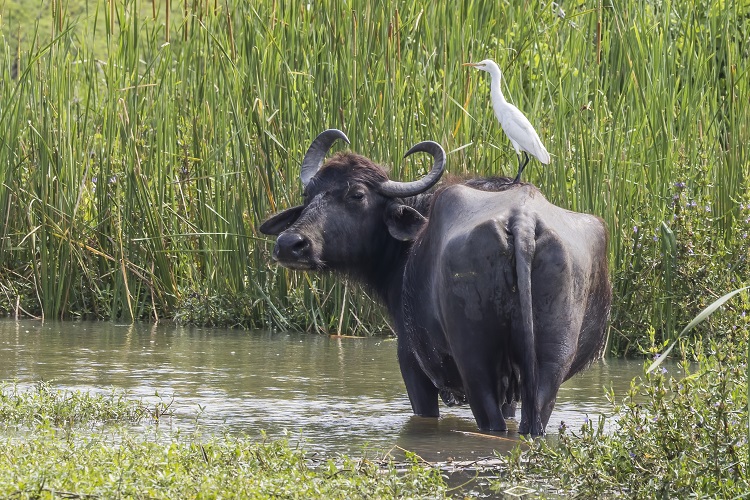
(291, 246)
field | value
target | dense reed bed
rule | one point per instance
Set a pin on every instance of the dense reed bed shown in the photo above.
(140, 150)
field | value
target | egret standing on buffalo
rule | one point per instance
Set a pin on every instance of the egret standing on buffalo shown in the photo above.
(515, 125)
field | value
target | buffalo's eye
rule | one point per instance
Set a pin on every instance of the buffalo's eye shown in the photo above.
(356, 195)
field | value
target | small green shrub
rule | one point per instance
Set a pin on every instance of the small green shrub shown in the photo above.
(674, 435)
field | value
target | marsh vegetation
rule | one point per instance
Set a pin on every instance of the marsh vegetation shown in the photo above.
(141, 148)
(46, 455)
(140, 151)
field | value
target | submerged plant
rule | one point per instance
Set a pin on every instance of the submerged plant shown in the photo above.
(48, 449)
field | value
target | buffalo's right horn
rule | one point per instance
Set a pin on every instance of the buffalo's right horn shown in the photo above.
(396, 189)
(317, 151)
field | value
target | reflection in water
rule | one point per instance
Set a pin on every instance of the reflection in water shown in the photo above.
(336, 395)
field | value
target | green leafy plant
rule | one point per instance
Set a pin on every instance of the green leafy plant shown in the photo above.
(680, 431)
(45, 403)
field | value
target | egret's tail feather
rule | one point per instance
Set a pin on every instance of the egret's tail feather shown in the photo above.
(542, 155)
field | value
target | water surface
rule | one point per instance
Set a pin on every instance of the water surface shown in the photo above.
(334, 395)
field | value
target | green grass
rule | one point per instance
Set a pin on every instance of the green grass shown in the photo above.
(50, 466)
(135, 172)
(59, 407)
(69, 444)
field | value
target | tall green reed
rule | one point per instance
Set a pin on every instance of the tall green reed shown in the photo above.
(135, 171)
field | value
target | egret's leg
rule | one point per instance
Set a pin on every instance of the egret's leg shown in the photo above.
(521, 166)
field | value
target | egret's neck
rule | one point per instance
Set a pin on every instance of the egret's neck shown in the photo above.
(495, 86)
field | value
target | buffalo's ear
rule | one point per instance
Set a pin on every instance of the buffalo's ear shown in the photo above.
(282, 220)
(404, 223)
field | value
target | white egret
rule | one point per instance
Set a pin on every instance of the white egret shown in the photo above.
(515, 125)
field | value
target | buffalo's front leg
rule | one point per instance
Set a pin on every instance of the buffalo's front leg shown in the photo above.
(422, 392)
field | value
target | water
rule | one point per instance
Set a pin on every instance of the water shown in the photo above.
(334, 395)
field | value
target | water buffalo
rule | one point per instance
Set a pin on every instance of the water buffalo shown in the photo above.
(495, 294)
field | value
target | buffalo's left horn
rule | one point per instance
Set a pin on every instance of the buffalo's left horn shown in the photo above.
(317, 151)
(396, 189)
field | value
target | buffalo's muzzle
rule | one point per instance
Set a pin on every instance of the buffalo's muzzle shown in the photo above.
(291, 248)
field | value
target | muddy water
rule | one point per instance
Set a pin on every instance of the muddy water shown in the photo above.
(333, 395)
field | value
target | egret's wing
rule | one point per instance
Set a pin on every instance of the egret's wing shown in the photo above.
(519, 129)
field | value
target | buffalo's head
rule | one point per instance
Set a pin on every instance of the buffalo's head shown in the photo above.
(351, 213)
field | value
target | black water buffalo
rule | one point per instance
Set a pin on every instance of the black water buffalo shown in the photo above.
(495, 294)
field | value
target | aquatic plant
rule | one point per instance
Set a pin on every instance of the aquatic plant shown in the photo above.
(673, 435)
(115, 463)
(58, 407)
(50, 449)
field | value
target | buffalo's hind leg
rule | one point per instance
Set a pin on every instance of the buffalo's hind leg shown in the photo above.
(539, 401)
(476, 363)
(481, 391)
(470, 294)
(551, 376)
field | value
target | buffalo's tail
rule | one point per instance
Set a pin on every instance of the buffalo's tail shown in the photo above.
(525, 247)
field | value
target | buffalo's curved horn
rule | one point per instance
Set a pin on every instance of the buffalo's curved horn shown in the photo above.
(396, 189)
(317, 151)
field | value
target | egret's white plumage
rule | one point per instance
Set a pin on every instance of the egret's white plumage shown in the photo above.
(515, 125)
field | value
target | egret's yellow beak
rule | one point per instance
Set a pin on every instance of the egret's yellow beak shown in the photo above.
(474, 65)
